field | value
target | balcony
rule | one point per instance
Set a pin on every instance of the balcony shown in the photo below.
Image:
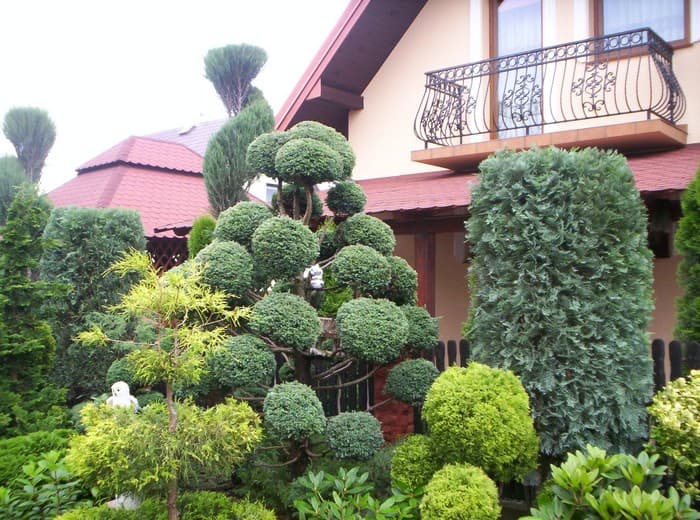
(617, 91)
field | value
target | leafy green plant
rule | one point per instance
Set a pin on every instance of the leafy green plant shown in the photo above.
(228, 267)
(20, 450)
(410, 380)
(201, 234)
(414, 462)
(363, 269)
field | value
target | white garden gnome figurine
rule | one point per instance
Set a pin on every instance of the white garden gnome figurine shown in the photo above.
(315, 275)
(121, 397)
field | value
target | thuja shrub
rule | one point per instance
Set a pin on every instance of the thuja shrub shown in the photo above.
(363, 269)
(368, 231)
(201, 234)
(227, 266)
(307, 161)
(354, 435)
(293, 411)
(242, 361)
(410, 380)
(346, 198)
(283, 247)
(561, 291)
(403, 284)
(239, 222)
(422, 328)
(675, 430)
(688, 317)
(413, 463)
(481, 416)
(372, 330)
(329, 136)
(460, 492)
(287, 319)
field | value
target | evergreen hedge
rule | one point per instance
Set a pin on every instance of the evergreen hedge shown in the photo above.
(688, 244)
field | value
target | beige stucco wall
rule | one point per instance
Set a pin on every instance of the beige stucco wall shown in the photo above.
(452, 297)
(666, 290)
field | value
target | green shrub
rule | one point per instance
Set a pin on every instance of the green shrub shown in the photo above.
(363, 269)
(289, 191)
(242, 361)
(675, 430)
(227, 266)
(481, 416)
(329, 136)
(410, 380)
(120, 370)
(327, 239)
(372, 330)
(414, 461)
(201, 234)
(239, 222)
(460, 492)
(306, 162)
(354, 435)
(263, 150)
(346, 198)
(422, 328)
(561, 281)
(283, 247)
(146, 398)
(286, 319)
(368, 231)
(293, 411)
(403, 285)
(17, 451)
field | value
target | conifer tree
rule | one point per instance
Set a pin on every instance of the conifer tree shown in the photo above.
(688, 244)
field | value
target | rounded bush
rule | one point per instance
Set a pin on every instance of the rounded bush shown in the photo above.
(242, 361)
(354, 435)
(410, 380)
(413, 463)
(287, 319)
(149, 397)
(481, 416)
(308, 161)
(422, 328)
(293, 411)
(263, 150)
(460, 492)
(239, 222)
(369, 231)
(22, 449)
(283, 247)
(329, 136)
(288, 191)
(363, 269)
(120, 370)
(403, 286)
(372, 330)
(227, 266)
(346, 198)
(201, 234)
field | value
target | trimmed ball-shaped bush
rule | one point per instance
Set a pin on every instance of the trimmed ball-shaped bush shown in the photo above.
(263, 150)
(372, 330)
(329, 136)
(346, 198)
(410, 380)
(288, 191)
(354, 435)
(460, 492)
(413, 463)
(239, 222)
(481, 416)
(293, 411)
(242, 361)
(308, 161)
(287, 319)
(201, 234)
(228, 266)
(369, 231)
(362, 268)
(403, 286)
(120, 370)
(327, 242)
(422, 328)
(283, 247)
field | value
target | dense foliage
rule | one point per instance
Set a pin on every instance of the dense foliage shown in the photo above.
(363, 269)
(241, 362)
(239, 222)
(346, 198)
(201, 234)
(460, 492)
(410, 380)
(20, 450)
(11, 177)
(283, 248)
(293, 411)
(687, 243)
(368, 231)
(561, 291)
(422, 328)
(354, 435)
(413, 463)
(287, 319)
(227, 266)
(403, 284)
(32, 133)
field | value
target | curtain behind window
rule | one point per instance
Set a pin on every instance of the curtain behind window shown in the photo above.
(665, 18)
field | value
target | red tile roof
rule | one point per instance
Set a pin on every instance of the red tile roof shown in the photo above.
(146, 151)
(663, 171)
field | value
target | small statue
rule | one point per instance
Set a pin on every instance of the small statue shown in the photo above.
(122, 397)
(316, 276)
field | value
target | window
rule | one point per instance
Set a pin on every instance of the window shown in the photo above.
(270, 190)
(669, 19)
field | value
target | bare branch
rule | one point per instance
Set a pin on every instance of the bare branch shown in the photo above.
(349, 383)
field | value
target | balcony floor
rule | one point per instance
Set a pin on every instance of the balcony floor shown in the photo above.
(647, 135)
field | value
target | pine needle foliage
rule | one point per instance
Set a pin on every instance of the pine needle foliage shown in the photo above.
(561, 292)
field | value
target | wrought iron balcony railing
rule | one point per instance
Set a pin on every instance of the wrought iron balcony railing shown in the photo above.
(624, 73)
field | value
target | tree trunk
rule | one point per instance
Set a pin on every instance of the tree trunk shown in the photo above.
(173, 513)
(309, 191)
(302, 368)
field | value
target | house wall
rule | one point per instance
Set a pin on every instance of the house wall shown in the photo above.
(666, 290)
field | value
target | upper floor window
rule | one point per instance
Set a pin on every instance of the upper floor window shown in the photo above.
(669, 19)
(519, 26)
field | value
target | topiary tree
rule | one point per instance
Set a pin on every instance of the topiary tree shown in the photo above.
(413, 463)
(346, 198)
(227, 266)
(369, 231)
(239, 222)
(32, 133)
(688, 305)
(561, 291)
(354, 435)
(363, 269)
(410, 380)
(201, 234)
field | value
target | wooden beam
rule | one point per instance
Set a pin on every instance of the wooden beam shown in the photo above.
(340, 97)
(425, 266)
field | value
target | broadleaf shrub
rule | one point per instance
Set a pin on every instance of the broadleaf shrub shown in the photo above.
(20, 450)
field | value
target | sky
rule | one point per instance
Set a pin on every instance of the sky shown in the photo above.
(105, 70)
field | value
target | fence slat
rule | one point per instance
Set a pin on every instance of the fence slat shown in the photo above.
(440, 356)
(658, 354)
(675, 354)
(451, 352)
(463, 352)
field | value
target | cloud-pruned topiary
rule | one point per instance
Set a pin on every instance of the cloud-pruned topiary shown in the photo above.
(346, 198)
(307, 162)
(283, 247)
(403, 286)
(239, 222)
(201, 234)
(481, 416)
(354, 435)
(363, 269)
(372, 330)
(287, 320)
(263, 150)
(228, 266)
(422, 328)
(288, 192)
(561, 281)
(413, 462)
(242, 361)
(369, 231)
(460, 492)
(329, 136)
(410, 380)
(293, 411)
